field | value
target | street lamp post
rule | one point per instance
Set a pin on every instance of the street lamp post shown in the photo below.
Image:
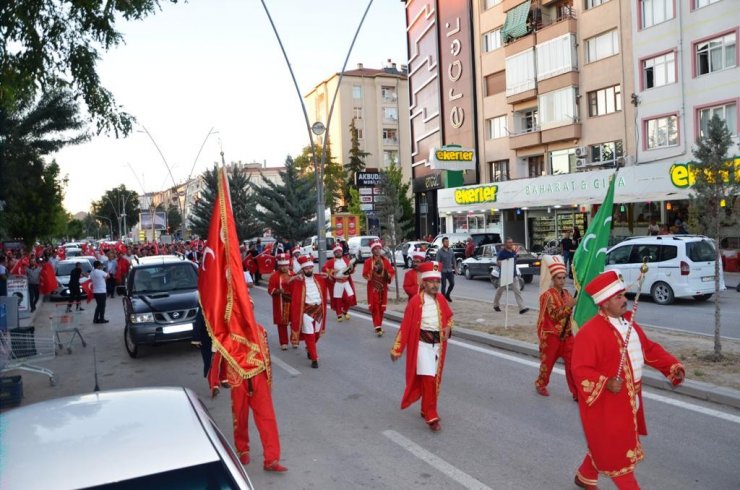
(110, 222)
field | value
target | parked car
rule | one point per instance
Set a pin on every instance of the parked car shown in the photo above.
(310, 246)
(141, 438)
(484, 259)
(679, 266)
(401, 254)
(458, 242)
(160, 301)
(359, 246)
(63, 270)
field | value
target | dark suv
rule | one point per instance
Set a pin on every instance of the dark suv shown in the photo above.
(160, 302)
(458, 241)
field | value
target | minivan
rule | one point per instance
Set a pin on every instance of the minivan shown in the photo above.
(458, 242)
(679, 266)
(359, 246)
(310, 246)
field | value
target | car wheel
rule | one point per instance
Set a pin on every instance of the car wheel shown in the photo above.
(528, 278)
(662, 293)
(702, 297)
(131, 347)
(466, 271)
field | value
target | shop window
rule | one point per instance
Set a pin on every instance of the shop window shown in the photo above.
(659, 70)
(605, 101)
(716, 54)
(661, 132)
(459, 223)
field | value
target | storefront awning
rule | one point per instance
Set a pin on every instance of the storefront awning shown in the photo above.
(515, 25)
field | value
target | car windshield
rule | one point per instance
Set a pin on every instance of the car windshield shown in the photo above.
(165, 278)
(213, 475)
(701, 251)
(65, 268)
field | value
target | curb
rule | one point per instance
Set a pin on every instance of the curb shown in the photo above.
(695, 389)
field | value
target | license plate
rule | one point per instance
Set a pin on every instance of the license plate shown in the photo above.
(707, 278)
(184, 327)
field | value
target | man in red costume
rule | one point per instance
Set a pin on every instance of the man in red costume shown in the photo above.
(426, 326)
(609, 392)
(295, 265)
(279, 289)
(339, 271)
(378, 273)
(553, 324)
(411, 278)
(308, 309)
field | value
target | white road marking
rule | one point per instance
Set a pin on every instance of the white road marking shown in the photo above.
(535, 364)
(436, 462)
(290, 369)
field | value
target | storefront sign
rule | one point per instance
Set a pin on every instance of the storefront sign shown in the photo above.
(427, 182)
(352, 226)
(476, 195)
(570, 185)
(367, 179)
(683, 175)
(452, 157)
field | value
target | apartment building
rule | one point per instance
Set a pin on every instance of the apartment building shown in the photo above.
(377, 101)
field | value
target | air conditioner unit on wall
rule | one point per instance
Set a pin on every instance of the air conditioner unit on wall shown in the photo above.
(581, 163)
(581, 151)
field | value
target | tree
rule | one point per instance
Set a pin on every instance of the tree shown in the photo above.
(113, 202)
(288, 208)
(32, 190)
(356, 157)
(243, 202)
(393, 210)
(174, 219)
(715, 189)
(353, 206)
(46, 41)
(334, 176)
(75, 229)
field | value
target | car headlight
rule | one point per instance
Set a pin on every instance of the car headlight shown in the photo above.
(536, 263)
(142, 318)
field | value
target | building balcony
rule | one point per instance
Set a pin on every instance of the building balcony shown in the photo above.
(390, 141)
(521, 96)
(523, 140)
(562, 133)
(520, 44)
(563, 22)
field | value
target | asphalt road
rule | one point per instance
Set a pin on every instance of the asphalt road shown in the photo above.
(341, 426)
(684, 315)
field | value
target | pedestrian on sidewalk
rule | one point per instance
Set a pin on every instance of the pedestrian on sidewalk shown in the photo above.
(426, 326)
(553, 325)
(566, 246)
(509, 252)
(411, 281)
(33, 273)
(75, 292)
(279, 288)
(308, 309)
(99, 288)
(448, 263)
(378, 272)
(608, 377)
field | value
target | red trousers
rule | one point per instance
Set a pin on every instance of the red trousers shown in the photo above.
(550, 350)
(377, 301)
(264, 417)
(310, 339)
(429, 398)
(589, 475)
(283, 333)
(341, 305)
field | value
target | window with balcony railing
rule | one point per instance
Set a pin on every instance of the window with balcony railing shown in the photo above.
(389, 95)
(526, 121)
(390, 114)
(520, 72)
(558, 108)
(390, 136)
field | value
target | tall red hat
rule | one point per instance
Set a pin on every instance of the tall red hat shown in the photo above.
(376, 243)
(338, 248)
(296, 249)
(605, 286)
(283, 259)
(430, 270)
(305, 261)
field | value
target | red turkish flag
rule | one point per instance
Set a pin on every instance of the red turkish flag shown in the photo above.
(224, 298)
(87, 289)
(85, 249)
(61, 253)
(48, 279)
(19, 268)
(265, 263)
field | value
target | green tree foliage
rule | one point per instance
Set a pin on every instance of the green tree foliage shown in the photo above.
(75, 229)
(288, 208)
(354, 207)
(715, 189)
(45, 41)
(394, 212)
(174, 219)
(31, 189)
(243, 203)
(334, 176)
(112, 204)
(356, 157)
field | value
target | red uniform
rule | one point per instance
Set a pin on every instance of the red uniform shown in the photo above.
(409, 337)
(411, 283)
(307, 321)
(279, 289)
(340, 286)
(378, 277)
(613, 422)
(254, 393)
(556, 336)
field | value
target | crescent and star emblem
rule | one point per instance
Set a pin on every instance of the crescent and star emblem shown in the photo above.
(206, 251)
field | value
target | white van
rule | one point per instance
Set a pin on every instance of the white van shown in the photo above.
(310, 246)
(359, 246)
(679, 266)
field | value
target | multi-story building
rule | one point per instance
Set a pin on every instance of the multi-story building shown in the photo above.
(377, 101)
(558, 105)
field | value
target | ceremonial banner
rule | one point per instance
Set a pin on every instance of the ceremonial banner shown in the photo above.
(590, 257)
(224, 298)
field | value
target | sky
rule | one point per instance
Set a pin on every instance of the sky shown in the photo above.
(217, 64)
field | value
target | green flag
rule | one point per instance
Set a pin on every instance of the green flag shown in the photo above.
(590, 257)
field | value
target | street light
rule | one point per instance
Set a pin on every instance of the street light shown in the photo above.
(118, 217)
(110, 222)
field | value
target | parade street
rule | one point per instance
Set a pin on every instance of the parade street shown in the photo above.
(685, 314)
(341, 426)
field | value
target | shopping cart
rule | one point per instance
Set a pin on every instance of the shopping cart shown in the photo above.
(20, 347)
(66, 322)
